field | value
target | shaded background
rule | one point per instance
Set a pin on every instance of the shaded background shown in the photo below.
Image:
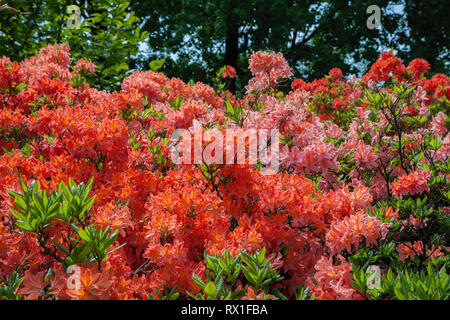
(198, 37)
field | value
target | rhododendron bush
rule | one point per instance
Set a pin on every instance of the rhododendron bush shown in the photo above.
(88, 187)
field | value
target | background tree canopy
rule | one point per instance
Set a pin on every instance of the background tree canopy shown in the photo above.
(197, 37)
(109, 34)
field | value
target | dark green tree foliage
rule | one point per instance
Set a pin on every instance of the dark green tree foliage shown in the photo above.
(429, 34)
(109, 34)
(197, 34)
(197, 37)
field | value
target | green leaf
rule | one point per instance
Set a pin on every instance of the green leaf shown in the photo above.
(25, 226)
(210, 289)
(262, 256)
(18, 215)
(61, 247)
(83, 235)
(198, 281)
(155, 65)
(20, 203)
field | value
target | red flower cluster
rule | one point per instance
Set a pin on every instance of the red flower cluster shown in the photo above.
(388, 65)
(229, 72)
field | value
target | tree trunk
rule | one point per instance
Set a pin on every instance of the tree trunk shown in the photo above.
(232, 49)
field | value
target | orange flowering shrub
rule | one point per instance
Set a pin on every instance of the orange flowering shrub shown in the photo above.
(362, 179)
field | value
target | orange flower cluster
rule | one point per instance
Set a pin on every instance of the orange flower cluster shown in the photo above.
(413, 183)
(349, 232)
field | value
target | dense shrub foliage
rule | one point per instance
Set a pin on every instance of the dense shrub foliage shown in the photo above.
(87, 180)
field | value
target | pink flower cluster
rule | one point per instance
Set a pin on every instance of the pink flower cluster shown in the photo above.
(267, 69)
(333, 281)
(346, 234)
(85, 66)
